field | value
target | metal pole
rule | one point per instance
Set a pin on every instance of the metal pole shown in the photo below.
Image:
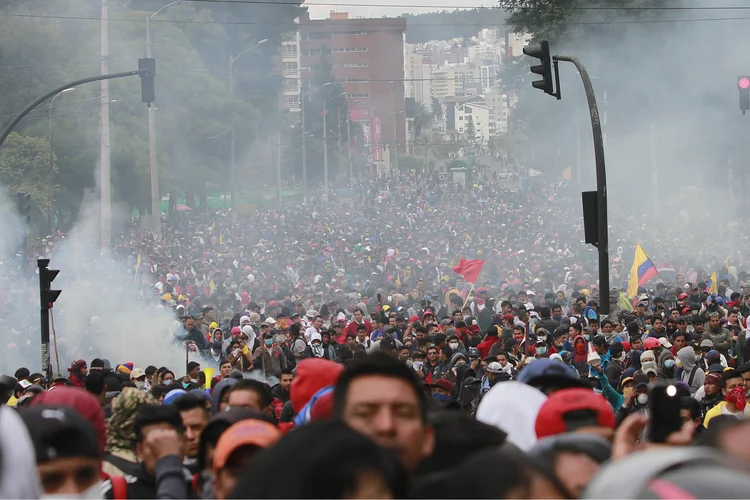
(304, 150)
(278, 169)
(233, 160)
(325, 156)
(152, 159)
(395, 145)
(106, 187)
(652, 161)
(51, 171)
(44, 315)
(601, 184)
(349, 145)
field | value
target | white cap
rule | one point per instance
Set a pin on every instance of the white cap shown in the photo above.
(494, 367)
(137, 373)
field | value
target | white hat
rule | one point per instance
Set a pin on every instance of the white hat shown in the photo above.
(244, 319)
(311, 313)
(664, 342)
(494, 367)
(269, 321)
(137, 373)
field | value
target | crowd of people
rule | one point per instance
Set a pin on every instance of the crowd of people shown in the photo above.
(344, 331)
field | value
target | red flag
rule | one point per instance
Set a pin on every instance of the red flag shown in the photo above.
(469, 269)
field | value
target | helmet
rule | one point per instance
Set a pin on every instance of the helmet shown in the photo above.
(651, 343)
(473, 352)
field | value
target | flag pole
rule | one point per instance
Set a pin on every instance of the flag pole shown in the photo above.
(467, 295)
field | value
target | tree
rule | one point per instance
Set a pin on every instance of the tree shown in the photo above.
(471, 131)
(437, 109)
(423, 119)
(24, 168)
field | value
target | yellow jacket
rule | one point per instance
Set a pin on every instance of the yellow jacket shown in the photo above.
(718, 410)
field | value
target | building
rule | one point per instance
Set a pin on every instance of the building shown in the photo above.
(457, 113)
(367, 58)
(515, 42)
(290, 66)
(417, 75)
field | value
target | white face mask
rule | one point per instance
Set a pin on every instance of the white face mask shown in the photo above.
(453, 345)
(140, 384)
(92, 493)
(642, 399)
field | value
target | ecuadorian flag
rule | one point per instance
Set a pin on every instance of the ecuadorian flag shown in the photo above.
(641, 272)
(712, 285)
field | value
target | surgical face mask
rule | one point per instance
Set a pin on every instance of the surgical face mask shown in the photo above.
(140, 384)
(669, 364)
(642, 399)
(194, 380)
(453, 345)
(542, 351)
(587, 337)
(94, 492)
(268, 342)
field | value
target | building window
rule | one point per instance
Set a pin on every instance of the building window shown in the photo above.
(289, 68)
(289, 51)
(349, 33)
(357, 65)
(351, 49)
(356, 80)
(461, 118)
(318, 35)
(291, 101)
(357, 96)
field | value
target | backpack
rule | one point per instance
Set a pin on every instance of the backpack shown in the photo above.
(119, 486)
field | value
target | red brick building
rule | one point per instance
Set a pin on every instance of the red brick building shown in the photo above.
(367, 58)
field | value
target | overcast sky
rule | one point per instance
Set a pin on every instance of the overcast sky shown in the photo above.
(319, 9)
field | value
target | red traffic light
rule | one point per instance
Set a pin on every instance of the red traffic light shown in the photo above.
(743, 82)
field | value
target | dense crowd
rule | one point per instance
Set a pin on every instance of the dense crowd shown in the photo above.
(344, 332)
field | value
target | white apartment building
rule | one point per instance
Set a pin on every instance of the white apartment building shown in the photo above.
(417, 75)
(480, 115)
(515, 43)
(290, 67)
(498, 103)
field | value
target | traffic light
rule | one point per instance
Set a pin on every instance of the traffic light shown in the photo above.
(743, 86)
(23, 204)
(544, 69)
(47, 296)
(148, 67)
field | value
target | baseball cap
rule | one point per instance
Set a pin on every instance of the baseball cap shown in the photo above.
(244, 433)
(445, 384)
(649, 367)
(60, 432)
(570, 409)
(707, 343)
(137, 373)
(494, 367)
(508, 317)
(640, 380)
(665, 342)
(551, 373)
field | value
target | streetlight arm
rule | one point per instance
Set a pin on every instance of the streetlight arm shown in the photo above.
(164, 7)
(248, 50)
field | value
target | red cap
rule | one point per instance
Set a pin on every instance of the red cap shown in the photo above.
(244, 433)
(683, 296)
(626, 346)
(413, 319)
(508, 317)
(444, 384)
(551, 417)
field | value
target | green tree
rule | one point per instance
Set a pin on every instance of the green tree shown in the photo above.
(24, 168)
(437, 109)
(423, 119)
(471, 131)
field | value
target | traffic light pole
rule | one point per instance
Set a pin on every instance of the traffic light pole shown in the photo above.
(47, 297)
(7, 130)
(601, 182)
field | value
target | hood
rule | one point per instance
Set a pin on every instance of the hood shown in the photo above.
(687, 358)
(635, 359)
(81, 401)
(312, 374)
(217, 392)
(18, 458)
(513, 407)
(315, 336)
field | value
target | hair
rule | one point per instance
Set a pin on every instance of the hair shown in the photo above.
(150, 370)
(294, 330)
(286, 371)
(577, 327)
(192, 366)
(97, 363)
(262, 390)
(545, 312)
(189, 401)
(158, 391)
(376, 364)
(22, 373)
(447, 351)
(360, 310)
(156, 414)
(728, 375)
(94, 383)
(225, 361)
(607, 322)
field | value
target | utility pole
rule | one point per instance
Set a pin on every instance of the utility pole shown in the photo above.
(325, 156)
(349, 145)
(233, 160)
(51, 214)
(106, 187)
(278, 169)
(304, 149)
(152, 159)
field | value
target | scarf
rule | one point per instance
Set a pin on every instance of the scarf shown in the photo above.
(120, 433)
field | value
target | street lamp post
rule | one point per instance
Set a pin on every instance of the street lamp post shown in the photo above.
(51, 162)
(152, 158)
(325, 148)
(233, 163)
(304, 139)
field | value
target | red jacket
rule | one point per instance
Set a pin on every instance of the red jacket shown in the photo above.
(351, 328)
(486, 344)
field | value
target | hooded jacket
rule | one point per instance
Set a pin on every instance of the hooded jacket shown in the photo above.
(686, 356)
(580, 355)
(312, 375)
(217, 392)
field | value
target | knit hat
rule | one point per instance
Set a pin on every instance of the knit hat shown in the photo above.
(125, 368)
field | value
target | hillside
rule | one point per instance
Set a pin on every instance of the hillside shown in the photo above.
(446, 25)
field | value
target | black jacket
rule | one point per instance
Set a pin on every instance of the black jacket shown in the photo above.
(171, 481)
